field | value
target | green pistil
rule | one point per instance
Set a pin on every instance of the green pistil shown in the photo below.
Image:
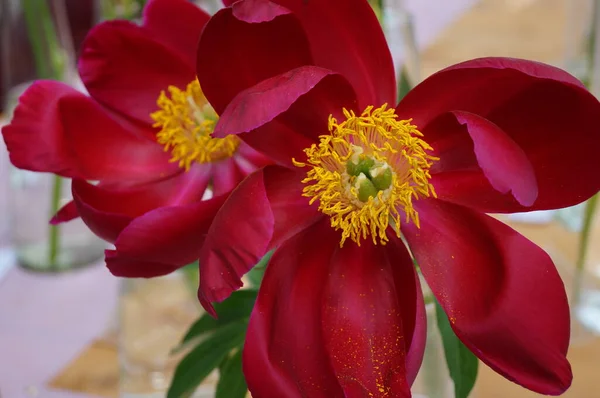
(370, 178)
(366, 189)
(382, 178)
(364, 166)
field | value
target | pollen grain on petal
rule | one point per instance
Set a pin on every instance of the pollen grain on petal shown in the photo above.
(186, 121)
(366, 173)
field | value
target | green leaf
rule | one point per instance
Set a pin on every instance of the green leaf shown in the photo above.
(237, 307)
(404, 85)
(462, 364)
(232, 383)
(205, 357)
(256, 274)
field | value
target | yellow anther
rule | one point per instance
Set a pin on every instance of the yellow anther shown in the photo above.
(186, 122)
(367, 171)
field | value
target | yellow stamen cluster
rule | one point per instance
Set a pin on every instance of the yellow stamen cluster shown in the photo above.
(186, 122)
(374, 138)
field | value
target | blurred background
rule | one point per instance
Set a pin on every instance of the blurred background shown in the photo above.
(70, 329)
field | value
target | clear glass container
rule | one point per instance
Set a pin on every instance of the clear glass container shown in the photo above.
(154, 315)
(433, 379)
(37, 245)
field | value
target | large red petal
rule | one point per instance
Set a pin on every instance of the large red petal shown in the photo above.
(331, 322)
(286, 114)
(171, 236)
(541, 108)
(182, 36)
(108, 210)
(345, 36)
(284, 353)
(369, 316)
(263, 211)
(243, 45)
(60, 130)
(502, 293)
(125, 68)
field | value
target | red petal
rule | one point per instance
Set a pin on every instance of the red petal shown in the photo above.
(169, 235)
(369, 315)
(541, 108)
(299, 105)
(125, 68)
(249, 160)
(291, 211)
(108, 210)
(265, 209)
(346, 37)
(284, 353)
(502, 293)
(501, 160)
(133, 268)
(182, 36)
(59, 130)
(246, 44)
(354, 308)
(35, 139)
(237, 239)
(66, 213)
(226, 176)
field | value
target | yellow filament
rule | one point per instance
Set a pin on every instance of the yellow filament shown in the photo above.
(376, 133)
(186, 122)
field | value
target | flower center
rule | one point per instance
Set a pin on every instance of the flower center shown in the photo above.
(186, 122)
(367, 172)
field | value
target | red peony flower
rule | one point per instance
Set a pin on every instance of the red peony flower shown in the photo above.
(340, 312)
(143, 135)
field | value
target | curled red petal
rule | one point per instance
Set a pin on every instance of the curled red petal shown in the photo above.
(502, 293)
(299, 105)
(243, 45)
(107, 209)
(502, 161)
(261, 213)
(66, 213)
(237, 239)
(125, 68)
(345, 36)
(172, 236)
(60, 130)
(541, 108)
(35, 138)
(265, 101)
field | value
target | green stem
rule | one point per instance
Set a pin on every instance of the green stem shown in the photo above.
(50, 64)
(584, 238)
(54, 231)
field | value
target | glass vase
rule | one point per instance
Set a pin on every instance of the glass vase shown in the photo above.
(398, 26)
(31, 199)
(154, 315)
(433, 379)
